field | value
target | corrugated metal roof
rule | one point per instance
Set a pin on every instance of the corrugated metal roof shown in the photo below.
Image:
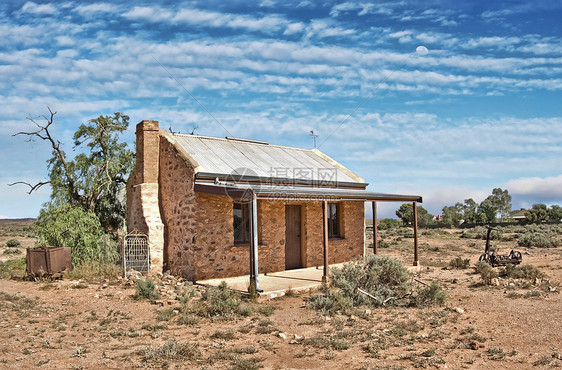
(261, 160)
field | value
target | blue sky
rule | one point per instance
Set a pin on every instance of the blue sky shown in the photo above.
(482, 109)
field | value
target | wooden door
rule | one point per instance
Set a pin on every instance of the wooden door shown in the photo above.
(293, 237)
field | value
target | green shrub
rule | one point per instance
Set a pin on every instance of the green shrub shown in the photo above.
(459, 263)
(12, 251)
(487, 273)
(145, 289)
(382, 277)
(383, 280)
(538, 240)
(221, 302)
(78, 229)
(13, 243)
(11, 268)
(480, 232)
(186, 296)
(165, 314)
(528, 272)
(432, 295)
(388, 223)
(330, 303)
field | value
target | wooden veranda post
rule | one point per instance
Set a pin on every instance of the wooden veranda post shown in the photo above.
(325, 217)
(375, 242)
(415, 222)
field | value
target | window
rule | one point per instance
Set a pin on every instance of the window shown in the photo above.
(241, 223)
(333, 221)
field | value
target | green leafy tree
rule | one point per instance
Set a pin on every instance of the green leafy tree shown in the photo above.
(469, 210)
(538, 213)
(86, 207)
(501, 200)
(452, 215)
(555, 213)
(94, 178)
(406, 214)
(487, 211)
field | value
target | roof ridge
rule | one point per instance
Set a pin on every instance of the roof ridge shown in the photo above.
(243, 141)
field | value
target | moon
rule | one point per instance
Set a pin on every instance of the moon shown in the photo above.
(421, 50)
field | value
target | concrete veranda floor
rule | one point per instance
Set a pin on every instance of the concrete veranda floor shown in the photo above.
(275, 284)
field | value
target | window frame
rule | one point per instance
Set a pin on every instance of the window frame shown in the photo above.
(244, 207)
(334, 220)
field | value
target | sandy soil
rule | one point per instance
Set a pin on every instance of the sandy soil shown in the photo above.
(66, 324)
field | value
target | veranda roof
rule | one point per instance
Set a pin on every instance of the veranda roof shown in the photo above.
(272, 192)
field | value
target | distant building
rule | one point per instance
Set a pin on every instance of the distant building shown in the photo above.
(519, 215)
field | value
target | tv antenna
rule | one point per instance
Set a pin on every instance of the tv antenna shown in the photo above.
(313, 137)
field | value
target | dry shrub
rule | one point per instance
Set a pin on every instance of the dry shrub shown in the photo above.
(487, 273)
(171, 350)
(373, 281)
(528, 272)
(93, 271)
(538, 240)
(459, 263)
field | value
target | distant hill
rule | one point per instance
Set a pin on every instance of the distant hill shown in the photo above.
(18, 219)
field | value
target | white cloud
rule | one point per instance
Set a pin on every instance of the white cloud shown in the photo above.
(151, 14)
(39, 9)
(91, 9)
(493, 41)
(306, 4)
(266, 24)
(294, 28)
(546, 187)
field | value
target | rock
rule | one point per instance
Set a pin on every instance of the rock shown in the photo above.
(282, 335)
(293, 341)
(455, 281)
(496, 282)
(298, 337)
(551, 288)
(367, 312)
(459, 310)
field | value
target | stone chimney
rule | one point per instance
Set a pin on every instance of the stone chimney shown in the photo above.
(148, 142)
(143, 210)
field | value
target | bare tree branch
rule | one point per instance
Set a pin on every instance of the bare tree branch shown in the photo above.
(44, 134)
(33, 187)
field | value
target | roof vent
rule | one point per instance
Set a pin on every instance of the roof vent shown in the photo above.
(246, 140)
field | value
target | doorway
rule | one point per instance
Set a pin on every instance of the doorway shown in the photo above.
(293, 254)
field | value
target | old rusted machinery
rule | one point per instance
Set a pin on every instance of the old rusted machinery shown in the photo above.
(493, 258)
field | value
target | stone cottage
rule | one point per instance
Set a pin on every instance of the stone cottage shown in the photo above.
(215, 208)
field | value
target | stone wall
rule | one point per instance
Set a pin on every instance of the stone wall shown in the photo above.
(350, 246)
(197, 229)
